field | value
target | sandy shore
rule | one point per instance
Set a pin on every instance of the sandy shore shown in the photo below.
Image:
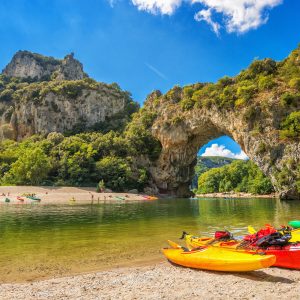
(162, 281)
(235, 195)
(62, 195)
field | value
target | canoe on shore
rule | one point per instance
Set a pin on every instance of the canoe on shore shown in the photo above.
(217, 259)
(287, 256)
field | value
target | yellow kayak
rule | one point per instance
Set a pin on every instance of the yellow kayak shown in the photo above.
(217, 259)
(295, 234)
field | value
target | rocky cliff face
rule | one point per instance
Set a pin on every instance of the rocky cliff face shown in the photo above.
(259, 109)
(67, 103)
(58, 113)
(181, 142)
(25, 64)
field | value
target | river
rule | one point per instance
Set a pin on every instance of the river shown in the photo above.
(39, 241)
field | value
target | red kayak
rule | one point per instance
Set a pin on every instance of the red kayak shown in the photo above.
(286, 256)
(266, 240)
(276, 242)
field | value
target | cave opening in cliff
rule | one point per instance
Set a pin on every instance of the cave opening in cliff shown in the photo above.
(217, 153)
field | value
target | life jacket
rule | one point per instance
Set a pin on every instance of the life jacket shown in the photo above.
(268, 236)
(267, 230)
(273, 239)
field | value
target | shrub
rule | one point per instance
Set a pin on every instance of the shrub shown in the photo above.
(55, 137)
(295, 83)
(246, 92)
(227, 97)
(6, 95)
(288, 99)
(225, 81)
(284, 177)
(174, 94)
(250, 113)
(188, 91)
(266, 82)
(291, 126)
(265, 67)
(239, 102)
(187, 104)
(262, 148)
(197, 96)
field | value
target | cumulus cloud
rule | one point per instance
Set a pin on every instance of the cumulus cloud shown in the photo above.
(236, 15)
(220, 150)
(206, 15)
(166, 7)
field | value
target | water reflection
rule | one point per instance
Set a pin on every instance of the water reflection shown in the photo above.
(58, 240)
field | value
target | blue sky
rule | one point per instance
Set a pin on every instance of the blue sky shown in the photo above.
(152, 44)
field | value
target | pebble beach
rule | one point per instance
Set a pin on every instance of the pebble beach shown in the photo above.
(161, 281)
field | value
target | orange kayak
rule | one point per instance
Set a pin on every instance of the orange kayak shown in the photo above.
(287, 256)
(217, 259)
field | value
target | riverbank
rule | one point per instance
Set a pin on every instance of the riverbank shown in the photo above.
(63, 195)
(235, 195)
(161, 281)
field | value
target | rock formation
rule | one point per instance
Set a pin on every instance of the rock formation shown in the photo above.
(181, 142)
(259, 109)
(31, 103)
(25, 64)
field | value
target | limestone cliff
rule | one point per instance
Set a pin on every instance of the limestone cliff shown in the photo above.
(30, 103)
(259, 109)
(25, 64)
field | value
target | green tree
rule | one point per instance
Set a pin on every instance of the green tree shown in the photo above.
(115, 172)
(32, 167)
(239, 176)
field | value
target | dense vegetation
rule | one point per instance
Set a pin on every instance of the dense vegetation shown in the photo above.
(239, 176)
(205, 163)
(82, 159)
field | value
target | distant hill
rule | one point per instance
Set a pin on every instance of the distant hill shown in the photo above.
(205, 163)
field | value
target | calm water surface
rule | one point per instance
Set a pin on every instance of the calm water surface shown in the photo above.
(55, 240)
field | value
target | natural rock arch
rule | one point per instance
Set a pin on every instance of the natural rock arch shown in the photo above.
(183, 132)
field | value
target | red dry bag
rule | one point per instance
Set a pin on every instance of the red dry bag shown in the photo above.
(222, 235)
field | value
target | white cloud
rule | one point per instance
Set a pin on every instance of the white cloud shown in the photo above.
(165, 7)
(236, 15)
(205, 15)
(220, 150)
